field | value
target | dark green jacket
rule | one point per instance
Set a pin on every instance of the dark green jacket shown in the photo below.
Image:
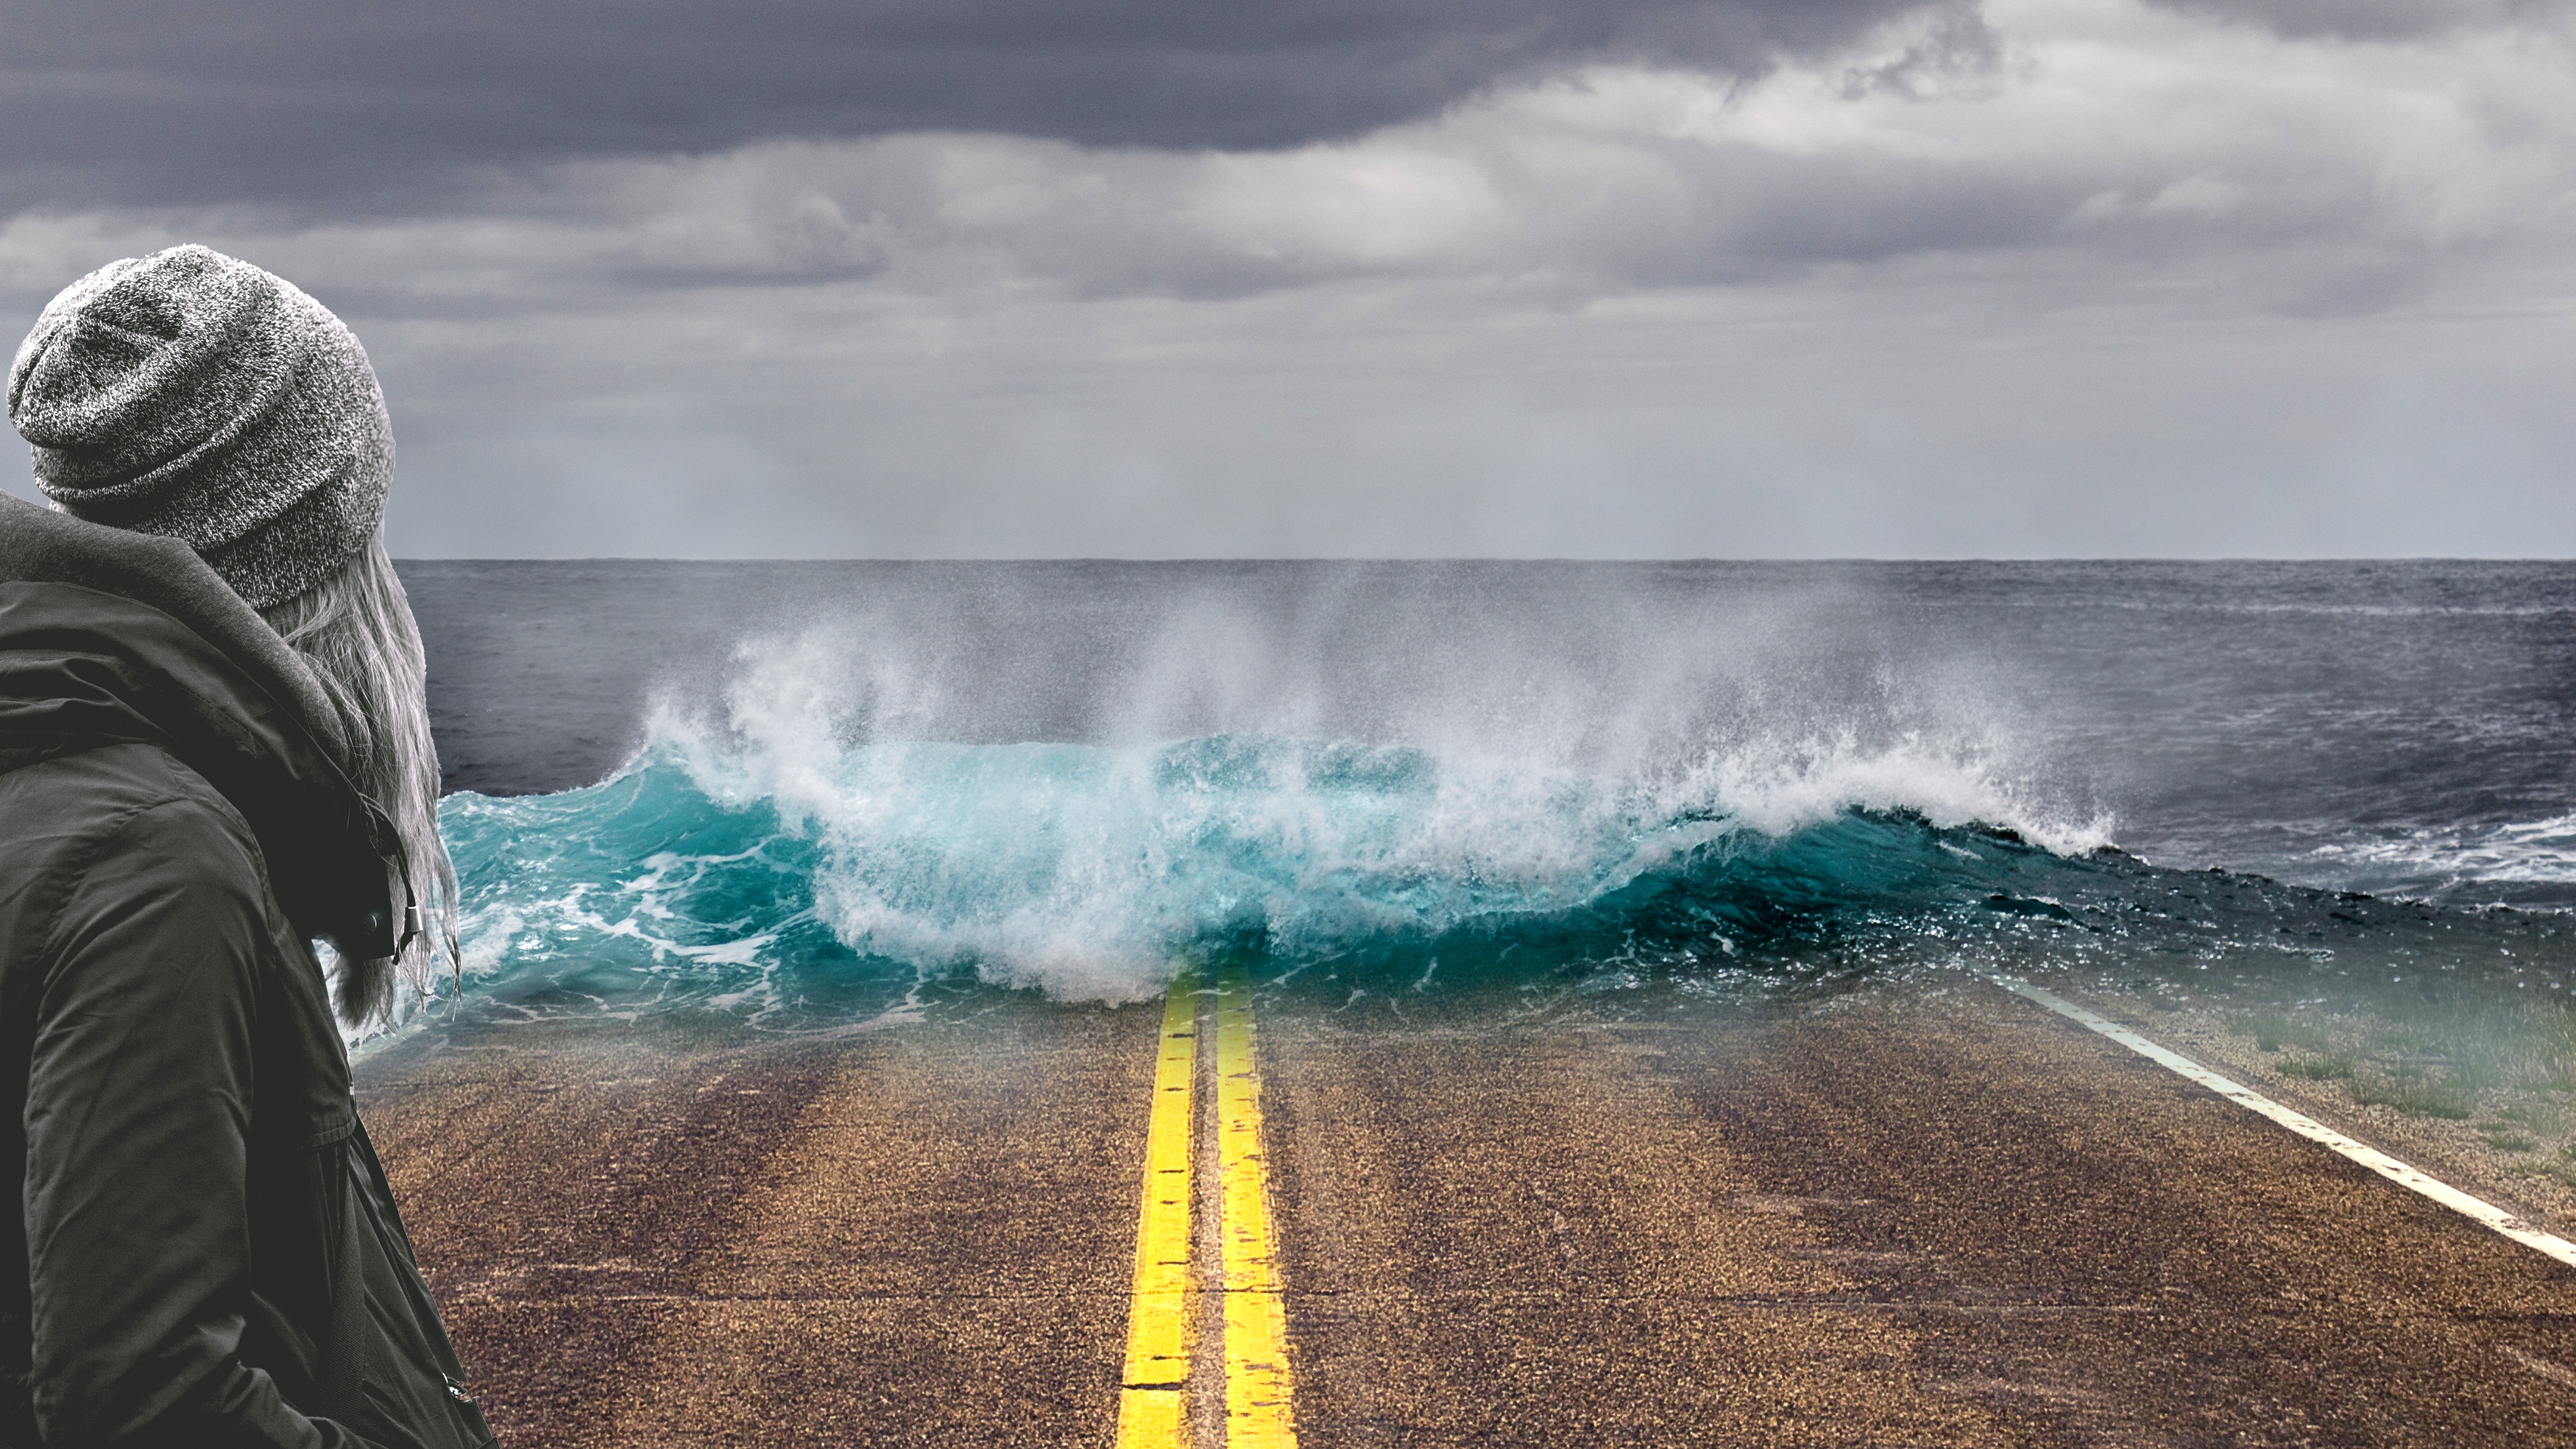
(203, 1250)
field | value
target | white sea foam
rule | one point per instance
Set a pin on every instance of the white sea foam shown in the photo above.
(1077, 868)
(2472, 861)
(1061, 776)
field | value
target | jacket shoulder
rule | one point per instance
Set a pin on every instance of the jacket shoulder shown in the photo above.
(90, 793)
(58, 816)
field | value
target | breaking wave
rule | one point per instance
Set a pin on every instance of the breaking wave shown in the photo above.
(821, 847)
(799, 872)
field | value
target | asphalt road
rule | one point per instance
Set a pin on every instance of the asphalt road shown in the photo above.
(1888, 1217)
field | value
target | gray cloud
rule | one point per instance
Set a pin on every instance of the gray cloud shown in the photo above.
(2056, 276)
(325, 102)
(2368, 19)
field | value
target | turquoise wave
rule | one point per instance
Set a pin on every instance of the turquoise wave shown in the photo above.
(833, 886)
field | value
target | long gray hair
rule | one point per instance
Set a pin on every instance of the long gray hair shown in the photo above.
(355, 628)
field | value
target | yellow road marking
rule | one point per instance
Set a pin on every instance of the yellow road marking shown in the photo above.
(1158, 1316)
(1258, 1381)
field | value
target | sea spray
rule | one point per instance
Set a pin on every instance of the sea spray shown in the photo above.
(782, 855)
(1062, 776)
(2334, 724)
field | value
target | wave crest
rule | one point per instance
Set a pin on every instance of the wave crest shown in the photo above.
(767, 863)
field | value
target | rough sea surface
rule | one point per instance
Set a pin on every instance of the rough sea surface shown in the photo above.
(809, 793)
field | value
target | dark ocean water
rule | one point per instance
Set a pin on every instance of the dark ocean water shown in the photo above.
(811, 789)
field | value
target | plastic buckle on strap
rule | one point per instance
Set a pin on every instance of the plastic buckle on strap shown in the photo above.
(456, 1389)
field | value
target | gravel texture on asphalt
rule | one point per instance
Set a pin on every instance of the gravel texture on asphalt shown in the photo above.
(1894, 1215)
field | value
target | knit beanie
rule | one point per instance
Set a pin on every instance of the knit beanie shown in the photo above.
(200, 398)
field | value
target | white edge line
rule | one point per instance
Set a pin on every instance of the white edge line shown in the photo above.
(2306, 1126)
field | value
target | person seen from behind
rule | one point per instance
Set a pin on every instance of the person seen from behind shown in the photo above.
(214, 752)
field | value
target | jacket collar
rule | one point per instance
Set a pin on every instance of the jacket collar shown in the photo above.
(108, 636)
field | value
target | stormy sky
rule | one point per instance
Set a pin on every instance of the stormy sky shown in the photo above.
(1376, 277)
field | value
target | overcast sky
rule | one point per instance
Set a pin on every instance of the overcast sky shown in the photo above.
(1160, 278)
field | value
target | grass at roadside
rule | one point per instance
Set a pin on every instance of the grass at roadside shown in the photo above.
(2494, 1060)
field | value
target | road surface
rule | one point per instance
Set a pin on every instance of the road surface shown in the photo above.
(1900, 1215)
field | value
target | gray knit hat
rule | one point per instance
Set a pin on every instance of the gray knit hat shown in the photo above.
(200, 398)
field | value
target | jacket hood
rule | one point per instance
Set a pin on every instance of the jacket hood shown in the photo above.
(110, 637)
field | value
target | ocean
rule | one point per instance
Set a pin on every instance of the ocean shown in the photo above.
(822, 795)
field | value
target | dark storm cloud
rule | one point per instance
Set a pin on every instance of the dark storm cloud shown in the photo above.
(169, 101)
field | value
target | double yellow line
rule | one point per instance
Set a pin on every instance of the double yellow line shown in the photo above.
(1259, 1385)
